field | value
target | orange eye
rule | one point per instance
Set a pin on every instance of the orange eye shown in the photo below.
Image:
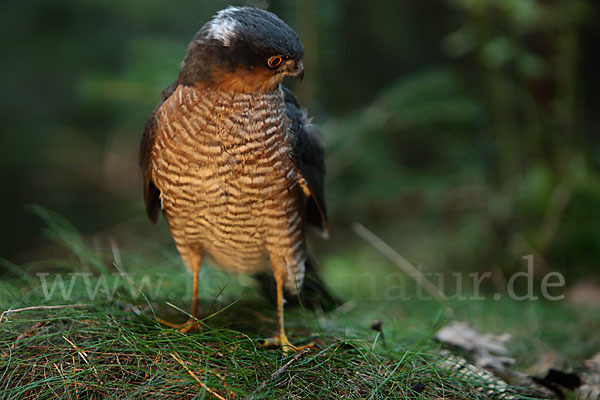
(274, 61)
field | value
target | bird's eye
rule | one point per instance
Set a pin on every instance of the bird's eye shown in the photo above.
(274, 61)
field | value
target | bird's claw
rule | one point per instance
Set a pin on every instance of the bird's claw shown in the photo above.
(189, 325)
(286, 346)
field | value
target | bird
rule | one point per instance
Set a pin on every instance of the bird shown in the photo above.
(232, 160)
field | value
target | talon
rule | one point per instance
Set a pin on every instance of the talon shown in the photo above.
(285, 345)
(189, 325)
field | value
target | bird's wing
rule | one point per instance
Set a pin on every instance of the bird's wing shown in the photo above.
(151, 192)
(308, 153)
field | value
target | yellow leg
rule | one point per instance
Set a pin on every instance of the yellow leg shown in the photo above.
(280, 339)
(193, 322)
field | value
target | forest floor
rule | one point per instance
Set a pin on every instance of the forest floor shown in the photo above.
(81, 330)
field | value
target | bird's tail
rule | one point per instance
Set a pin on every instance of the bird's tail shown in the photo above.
(314, 294)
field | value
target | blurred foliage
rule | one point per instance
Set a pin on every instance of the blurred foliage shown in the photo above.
(463, 131)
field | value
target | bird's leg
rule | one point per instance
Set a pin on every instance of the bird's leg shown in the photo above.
(280, 339)
(193, 322)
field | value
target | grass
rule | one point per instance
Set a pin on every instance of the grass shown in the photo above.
(108, 350)
(115, 349)
(107, 343)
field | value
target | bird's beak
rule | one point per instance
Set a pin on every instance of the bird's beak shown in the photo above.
(296, 70)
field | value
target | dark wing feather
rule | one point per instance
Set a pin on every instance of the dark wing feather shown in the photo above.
(151, 192)
(308, 153)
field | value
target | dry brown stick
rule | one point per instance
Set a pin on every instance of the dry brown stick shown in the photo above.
(202, 384)
(46, 378)
(74, 374)
(402, 263)
(40, 308)
(63, 378)
(283, 368)
(84, 357)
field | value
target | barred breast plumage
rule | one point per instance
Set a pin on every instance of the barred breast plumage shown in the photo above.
(229, 187)
(231, 159)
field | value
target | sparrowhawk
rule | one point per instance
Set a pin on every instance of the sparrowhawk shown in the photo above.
(232, 160)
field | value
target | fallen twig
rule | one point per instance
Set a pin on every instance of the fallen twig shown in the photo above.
(403, 264)
(283, 368)
(41, 308)
(84, 357)
(63, 378)
(202, 384)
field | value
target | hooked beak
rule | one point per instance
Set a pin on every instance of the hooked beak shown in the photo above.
(296, 69)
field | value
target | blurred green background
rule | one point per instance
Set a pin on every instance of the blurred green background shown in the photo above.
(463, 132)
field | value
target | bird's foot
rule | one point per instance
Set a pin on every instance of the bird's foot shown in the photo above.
(189, 325)
(286, 346)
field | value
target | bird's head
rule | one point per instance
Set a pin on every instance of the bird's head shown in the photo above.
(244, 49)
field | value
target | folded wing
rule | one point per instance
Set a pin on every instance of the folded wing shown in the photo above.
(151, 192)
(308, 153)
